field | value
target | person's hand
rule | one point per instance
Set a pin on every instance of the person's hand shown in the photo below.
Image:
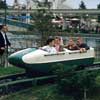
(2, 48)
(82, 50)
(40, 47)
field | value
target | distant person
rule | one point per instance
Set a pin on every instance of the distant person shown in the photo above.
(4, 43)
(58, 44)
(71, 45)
(83, 46)
(50, 46)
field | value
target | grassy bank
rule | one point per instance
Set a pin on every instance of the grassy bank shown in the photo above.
(10, 70)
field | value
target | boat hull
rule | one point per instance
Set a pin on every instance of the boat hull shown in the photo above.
(47, 68)
(42, 62)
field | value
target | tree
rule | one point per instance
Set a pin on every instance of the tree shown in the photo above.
(98, 7)
(82, 5)
(47, 3)
(2, 4)
(43, 24)
(75, 83)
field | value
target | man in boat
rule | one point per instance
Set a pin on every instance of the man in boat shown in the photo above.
(83, 46)
(50, 46)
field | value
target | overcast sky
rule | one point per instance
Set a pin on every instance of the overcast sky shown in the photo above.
(74, 3)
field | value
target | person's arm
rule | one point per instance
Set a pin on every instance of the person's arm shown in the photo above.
(86, 46)
(77, 48)
(1, 41)
(8, 43)
(2, 49)
(45, 48)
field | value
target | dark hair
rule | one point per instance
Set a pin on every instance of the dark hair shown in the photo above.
(1, 26)
(49, 40)
(57, 37)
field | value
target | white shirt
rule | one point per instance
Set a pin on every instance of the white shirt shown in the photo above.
(49, 49)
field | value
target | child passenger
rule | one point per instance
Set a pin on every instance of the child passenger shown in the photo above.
(50, 46)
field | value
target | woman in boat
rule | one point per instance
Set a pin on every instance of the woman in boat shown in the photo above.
(72, 45)
(58, 44)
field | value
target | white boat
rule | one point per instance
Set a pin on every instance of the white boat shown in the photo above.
(41, 61)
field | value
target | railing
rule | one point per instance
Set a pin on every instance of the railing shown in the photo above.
(57, 11)
(16, 23)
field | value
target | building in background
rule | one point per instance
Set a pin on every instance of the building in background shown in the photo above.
(60, 4)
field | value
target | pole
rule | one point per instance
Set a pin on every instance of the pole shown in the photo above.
(5, 22)
(5, 17)
(85, 95)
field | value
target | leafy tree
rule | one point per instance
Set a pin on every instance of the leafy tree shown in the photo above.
(2, 4)
(43, 24)
(98, 7)
(47, 4)
(74, 83)
(82, 5)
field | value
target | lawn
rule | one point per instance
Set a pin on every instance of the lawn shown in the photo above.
(10, 70)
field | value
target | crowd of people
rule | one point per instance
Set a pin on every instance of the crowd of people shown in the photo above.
(55, 45)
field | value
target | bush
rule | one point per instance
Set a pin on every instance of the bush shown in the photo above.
(73, 82)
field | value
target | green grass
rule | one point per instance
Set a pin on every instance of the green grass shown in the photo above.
(97, 60)
(10, 70)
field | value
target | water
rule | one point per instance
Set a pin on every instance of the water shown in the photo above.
(94, 42)
(22, 41)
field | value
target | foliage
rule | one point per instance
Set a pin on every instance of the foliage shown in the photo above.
(98, 80)
(43, 24)
(47, 92)
(98, 6)
(45, 3)
(2, 4)
(82, 5)
(73, 82)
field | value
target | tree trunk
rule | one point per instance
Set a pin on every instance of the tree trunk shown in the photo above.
(85, 95)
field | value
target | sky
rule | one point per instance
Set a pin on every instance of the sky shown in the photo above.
(90, 4)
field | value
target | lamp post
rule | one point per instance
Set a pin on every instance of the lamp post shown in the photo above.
(5, 22)
(5, 17)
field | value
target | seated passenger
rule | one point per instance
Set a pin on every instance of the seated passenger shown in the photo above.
(58, 44)
(83, 46)
(50, 46)
(71, 45)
